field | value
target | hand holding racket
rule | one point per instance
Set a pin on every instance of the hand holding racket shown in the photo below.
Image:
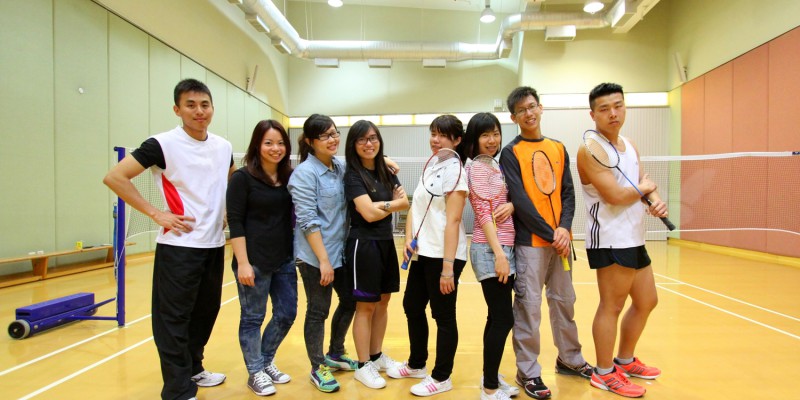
(607, 155)
(440, 176)
(545, 179)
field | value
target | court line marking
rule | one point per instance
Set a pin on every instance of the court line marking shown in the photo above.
(89, 339)
(732, 313)
(104, 360)
(730, 298)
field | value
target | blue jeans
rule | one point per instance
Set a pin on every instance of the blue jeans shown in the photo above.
(281, 287)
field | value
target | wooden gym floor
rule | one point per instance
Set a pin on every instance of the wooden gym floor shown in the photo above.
(725, 327)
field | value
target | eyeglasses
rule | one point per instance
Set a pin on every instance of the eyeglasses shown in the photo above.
(332, 135)
(533, 108)
(363, 140)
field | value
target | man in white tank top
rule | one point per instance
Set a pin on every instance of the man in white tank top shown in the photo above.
(615, 247)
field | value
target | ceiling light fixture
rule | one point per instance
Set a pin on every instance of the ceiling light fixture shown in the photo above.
(593, 6)
(335, 3)
(487, 15)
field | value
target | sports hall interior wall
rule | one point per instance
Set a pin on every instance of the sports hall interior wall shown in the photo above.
(747, 104)
(57, 142)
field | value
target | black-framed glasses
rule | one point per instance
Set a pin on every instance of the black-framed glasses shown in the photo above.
(363, 140)
(332, 135)
(533, 108)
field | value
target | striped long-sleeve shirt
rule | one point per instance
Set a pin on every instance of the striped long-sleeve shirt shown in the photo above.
(483, 212)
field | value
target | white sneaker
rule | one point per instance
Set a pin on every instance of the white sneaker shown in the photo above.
(499, 394)
(261, 384)
(401, 370)
(429, 387)
(276, 375)
(369, 376)
(510, 390)
(208, 379)
(385, 362)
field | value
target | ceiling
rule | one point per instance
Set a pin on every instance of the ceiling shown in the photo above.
(499, 6)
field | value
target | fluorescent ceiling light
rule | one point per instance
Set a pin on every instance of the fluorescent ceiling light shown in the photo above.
(379, 63)
(487, 15)
(335, 3)
(258, 23)
(592, 6)
(397, 119)
(434, 63)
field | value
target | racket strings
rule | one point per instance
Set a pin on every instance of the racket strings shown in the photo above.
(485, 178)
(601, 149)
(543, 175)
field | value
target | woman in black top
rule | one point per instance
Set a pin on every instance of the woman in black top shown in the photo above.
(260, 219)
(373, 194)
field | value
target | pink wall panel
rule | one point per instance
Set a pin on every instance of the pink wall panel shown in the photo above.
(718, 127)
(692, 113)
(784, 111)
(750, 132)
(751, 100)
(748, 104)
(784, 89)
(718, 138)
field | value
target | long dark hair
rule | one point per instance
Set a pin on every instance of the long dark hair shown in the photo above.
(451, 127)
(314, 126)
(359, 130)
(477, 126)
(252, 159)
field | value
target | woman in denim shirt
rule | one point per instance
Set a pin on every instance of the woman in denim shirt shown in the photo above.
(492, 257)
(319, 237)
(260, 218)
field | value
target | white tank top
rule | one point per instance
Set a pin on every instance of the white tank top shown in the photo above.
(194, 184)
(620, 226)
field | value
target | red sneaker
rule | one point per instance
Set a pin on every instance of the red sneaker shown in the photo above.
(616, 382)
(638, 369)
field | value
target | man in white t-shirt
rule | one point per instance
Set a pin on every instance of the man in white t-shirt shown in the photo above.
(615, 247)
(191, 167)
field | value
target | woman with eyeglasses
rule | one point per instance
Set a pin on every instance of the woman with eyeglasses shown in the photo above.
(373, 193)
(321, 211)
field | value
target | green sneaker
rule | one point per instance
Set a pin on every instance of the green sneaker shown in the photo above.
(323, 379)
(343, 362)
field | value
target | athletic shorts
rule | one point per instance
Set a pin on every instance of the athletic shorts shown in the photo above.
(372, 268)
(633, 257)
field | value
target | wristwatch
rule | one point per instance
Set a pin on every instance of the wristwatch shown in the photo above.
(386, 206)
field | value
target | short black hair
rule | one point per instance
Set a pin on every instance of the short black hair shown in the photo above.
(604, 89)
(190, 85)
(518, 95)
(479, 124)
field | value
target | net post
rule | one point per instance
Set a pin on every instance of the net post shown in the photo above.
(119, 248)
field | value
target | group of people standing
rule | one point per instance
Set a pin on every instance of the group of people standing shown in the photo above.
(332, 221)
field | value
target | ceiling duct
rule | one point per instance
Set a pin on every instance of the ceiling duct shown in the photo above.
(287, 40)
(563, 33)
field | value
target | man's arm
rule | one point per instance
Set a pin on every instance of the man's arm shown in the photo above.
(118, 179)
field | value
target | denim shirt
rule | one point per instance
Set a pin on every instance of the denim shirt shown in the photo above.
(319, 203)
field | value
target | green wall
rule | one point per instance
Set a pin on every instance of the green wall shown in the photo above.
(78, 80)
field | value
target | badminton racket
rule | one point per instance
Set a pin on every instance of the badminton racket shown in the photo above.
(607, 155)
(486, 181)
(545, 179)
(440, 176)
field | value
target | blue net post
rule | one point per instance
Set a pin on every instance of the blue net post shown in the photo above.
(119, 249)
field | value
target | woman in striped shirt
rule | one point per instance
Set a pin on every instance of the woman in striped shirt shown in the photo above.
(492, 256)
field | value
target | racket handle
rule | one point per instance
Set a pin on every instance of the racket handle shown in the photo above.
(665, 220)
(565, 262)
(409, 254)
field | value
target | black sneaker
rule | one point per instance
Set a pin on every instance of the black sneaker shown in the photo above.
(534, 387)
(584, 371)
